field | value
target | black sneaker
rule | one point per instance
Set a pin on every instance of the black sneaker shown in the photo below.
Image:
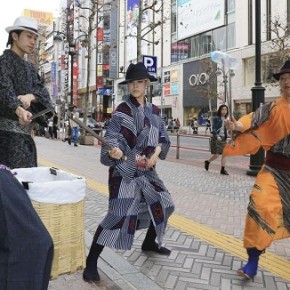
(206, 165)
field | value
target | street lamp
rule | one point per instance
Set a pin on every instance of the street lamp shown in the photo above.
(228, 63)
(258, 91)
(227, 76)
(58, 38)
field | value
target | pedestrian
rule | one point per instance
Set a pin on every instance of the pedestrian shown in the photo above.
(218, 139)
(139, 138)
(268, 217)
(26, 248)
(208, 125)
(177, 124)
(68, 132)
(74, 127)
(55, 125)
(195, 126)
(22, 91)
(50, 128)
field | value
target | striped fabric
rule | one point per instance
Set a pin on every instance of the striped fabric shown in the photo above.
(136, 130)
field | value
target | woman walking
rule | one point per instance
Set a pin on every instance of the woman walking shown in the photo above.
(218, 139)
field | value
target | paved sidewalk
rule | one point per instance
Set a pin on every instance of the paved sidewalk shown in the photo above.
(210, 211)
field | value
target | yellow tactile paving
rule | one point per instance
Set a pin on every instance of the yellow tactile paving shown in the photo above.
(269, 261)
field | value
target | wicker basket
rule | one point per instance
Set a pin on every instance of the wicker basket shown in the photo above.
(58, 198)
(65, 223)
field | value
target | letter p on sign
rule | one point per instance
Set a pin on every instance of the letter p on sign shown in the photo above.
(150, 63)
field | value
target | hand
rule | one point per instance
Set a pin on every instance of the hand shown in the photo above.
(116, 153)
(23, 115)
(231, 124)
(26, 100)
(219, 138)
(152, 161)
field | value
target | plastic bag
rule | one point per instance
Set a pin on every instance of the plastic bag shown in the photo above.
(51, 185)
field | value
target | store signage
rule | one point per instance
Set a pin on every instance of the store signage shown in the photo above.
(198, 79)
(150, 62)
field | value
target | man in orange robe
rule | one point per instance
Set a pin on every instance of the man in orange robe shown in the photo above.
(268, 217)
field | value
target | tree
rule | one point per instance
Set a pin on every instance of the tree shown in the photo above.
(278, 32)
(91, 18)
(148, 28)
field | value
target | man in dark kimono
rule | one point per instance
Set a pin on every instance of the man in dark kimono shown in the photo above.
(21, 92)
(26, 248)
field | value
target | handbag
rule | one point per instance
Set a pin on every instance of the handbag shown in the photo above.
(216, 146)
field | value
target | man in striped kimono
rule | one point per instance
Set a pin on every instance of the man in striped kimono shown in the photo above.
(138, 138)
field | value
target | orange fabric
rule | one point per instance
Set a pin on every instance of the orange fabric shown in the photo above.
(267, 201)
(266, 135)
(246, 121)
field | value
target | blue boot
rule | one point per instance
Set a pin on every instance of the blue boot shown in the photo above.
(249, 271)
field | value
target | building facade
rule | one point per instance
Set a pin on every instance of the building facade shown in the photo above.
(177, 38)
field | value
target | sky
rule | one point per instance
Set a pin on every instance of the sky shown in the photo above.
(14, 8)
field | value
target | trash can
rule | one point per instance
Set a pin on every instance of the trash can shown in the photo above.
(58, 198)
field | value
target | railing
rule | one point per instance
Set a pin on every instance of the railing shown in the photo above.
(192, 136)
(179, 146)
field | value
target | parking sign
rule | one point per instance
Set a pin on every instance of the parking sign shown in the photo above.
(151, 63)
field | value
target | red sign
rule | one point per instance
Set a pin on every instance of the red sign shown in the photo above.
(100, 34)
(99, 82)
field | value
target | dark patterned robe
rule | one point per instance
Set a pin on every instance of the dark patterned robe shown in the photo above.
(26, 248)
(135, 129)
(18, 77)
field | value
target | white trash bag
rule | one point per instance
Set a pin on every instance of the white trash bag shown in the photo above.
(51, 185)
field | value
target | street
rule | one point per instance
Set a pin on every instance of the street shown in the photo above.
(204, 234)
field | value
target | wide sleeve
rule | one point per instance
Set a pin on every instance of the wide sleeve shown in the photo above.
(121, 133)
(263, 128)
(215, 126)
(8, 97)
(39, 90)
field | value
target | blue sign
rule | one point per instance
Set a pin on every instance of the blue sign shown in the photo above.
(151, 63)
(104, 91)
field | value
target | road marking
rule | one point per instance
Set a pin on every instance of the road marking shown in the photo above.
(269, 261)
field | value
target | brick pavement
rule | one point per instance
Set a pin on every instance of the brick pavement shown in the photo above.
(208, 198)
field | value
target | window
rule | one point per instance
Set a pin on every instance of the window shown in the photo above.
(206, 43)
(231, 36)
(219, 38)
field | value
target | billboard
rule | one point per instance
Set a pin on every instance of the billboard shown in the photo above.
(195, 16)
(42, 18)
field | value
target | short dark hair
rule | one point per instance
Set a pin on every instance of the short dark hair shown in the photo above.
(10, 38)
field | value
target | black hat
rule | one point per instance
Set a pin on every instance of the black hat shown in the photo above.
(284, 70)
(136, 72)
